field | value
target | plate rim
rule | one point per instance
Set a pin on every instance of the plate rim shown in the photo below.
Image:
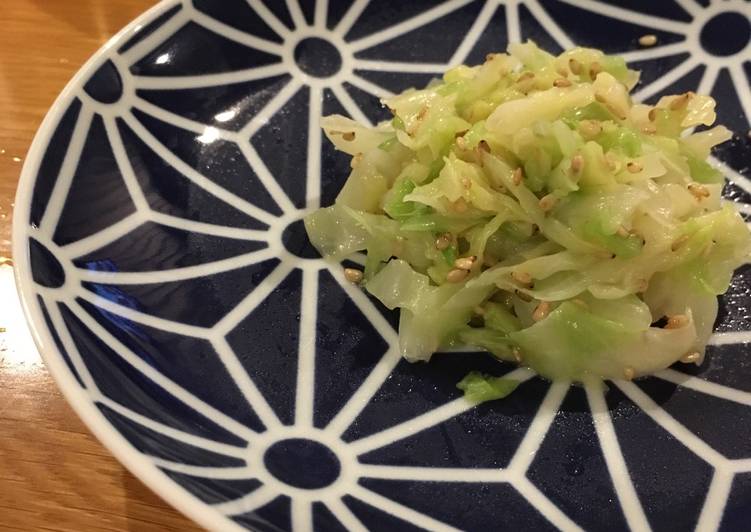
(76, 396)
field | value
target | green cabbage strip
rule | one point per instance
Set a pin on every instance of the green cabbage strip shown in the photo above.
(529, 208)
(479, 387)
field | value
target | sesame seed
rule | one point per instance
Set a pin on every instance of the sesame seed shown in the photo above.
(590, 128)
(443, 241)
(517, 176)
(622, 231)
(562, 82)
(516, 352)
(547, 202)
(677, 321)
(691, 357)
(352, 275)
(679, 102)
(612, 163)
(649, 129)
(561, 70)
(617, 111)
(698, 191)
(490, 56)
(577, 163)
(634, 167)
(541, 311)
(594, 69)
(460, 206)
(648, 40)
(678, 242)
(461, 143)
(465, 263)
(652, 115)
(522, 277)
(525, 76)
(484, 146)
(575, 66)
(479, 311)
(356, 160)
(349, 136)
(629, 373)
(456, 275)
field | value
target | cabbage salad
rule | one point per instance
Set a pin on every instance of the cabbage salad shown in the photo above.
(528, 207)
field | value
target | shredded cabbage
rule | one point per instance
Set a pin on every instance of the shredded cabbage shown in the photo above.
(479, 387)
(528, 207)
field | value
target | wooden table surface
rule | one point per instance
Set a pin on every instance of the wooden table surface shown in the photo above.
(53, 474)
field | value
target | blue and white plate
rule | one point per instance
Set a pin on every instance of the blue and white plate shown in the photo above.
(171, 288)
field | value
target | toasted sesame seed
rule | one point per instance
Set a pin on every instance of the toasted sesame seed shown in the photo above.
(652, 115)
(517, 176)
(356, 160)
(679, 102)
(562, 82)
(517, 353)
(349, 136)
(484, 146)
(613, 164)
(594, 69)
(629, 373)
(634, 167)
(456, 275)
(575, 66)
(522, 277)
(443, 241)
(541, 311)
(577, 163)
(642, 285)
(677, 321)
(525, 76)
(691, 357)
(460, 206)
(525, 82)
(590, 128)
(547, 202)
(353, 275)
(698, 191)
(561, 70)
(617, 111)
(490, 56)
(465, 263)
(622, 231)
(678, 242)
(648, 40)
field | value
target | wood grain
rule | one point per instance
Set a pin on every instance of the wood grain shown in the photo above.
(53, 474)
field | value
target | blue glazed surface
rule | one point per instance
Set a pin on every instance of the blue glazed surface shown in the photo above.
(166, 261)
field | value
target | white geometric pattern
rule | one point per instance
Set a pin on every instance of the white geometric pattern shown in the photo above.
(348, 453)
